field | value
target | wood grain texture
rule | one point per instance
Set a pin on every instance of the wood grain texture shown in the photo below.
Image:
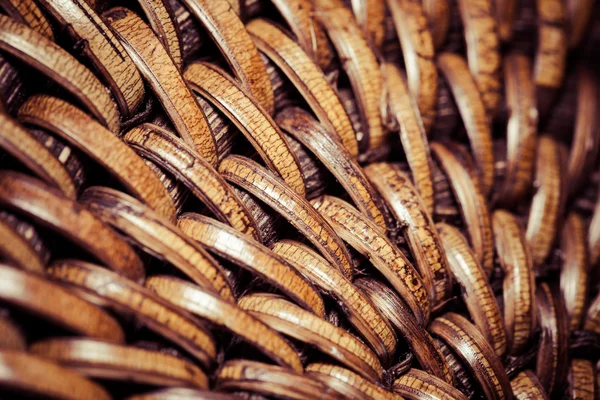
(293, 321)
(31, 292)
(253, 256)
(35, 376)
(131, 299)
(307, 78)
(417, 227)
(475, 289)
(161, 18)
(418, 52)
(195, 173)
(526, 386)
(270, 380)
(419, 341)
(357, 308)
(472, 348)
(546, 202)
(226, 315)
(51, 60)
(472, 204)
(551, 53)
(300, 17)
(521, 130)
(346, 381)
(19, 143)
(236, 45)
(519, 280)
(72, 124)
(97, 359)
(295, 209)
(405, 113)
(28, 12)
(103, 49)
(419, 385)
(582, 378)
(367, 239)
(159, 70)
(50, 208)
(471, 107)
(361, 66)
(303, 127)
(256, 125)
(483, 50)
(158, 237)
(370, 15)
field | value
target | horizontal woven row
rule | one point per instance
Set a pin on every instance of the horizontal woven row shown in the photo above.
(299, 199)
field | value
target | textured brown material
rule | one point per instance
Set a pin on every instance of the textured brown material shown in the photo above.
(299, 199)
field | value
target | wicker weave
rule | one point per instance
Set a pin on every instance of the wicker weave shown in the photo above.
(299, 199)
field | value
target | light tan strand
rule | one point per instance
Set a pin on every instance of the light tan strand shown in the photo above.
(419, 385)
(195, 173)
(417, 224)
(303, 127)
(307, 78)
(483, 50)
(357, 308)
(546, 203)
(418, 52)
(521, 130)
(526, 386)
(472, 111)
(234, 41)
(295, 209)
(360, 65)
(67, 217)
(32, 292)
(132, 299)
(227, 315)
(18, 142)
(256, 125)
(29, 13)
(293, 321)
(366, 238)
(472, 203)
(412, 134)
(121, 363)
(51, 60)
(90, 137)
(157, 67)
(574, 278)
(162, 20)
(158, 237)
(342, 378)
(518, 286)
(36, 376)
(254, 257)
(476, 291)
(103, 50)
